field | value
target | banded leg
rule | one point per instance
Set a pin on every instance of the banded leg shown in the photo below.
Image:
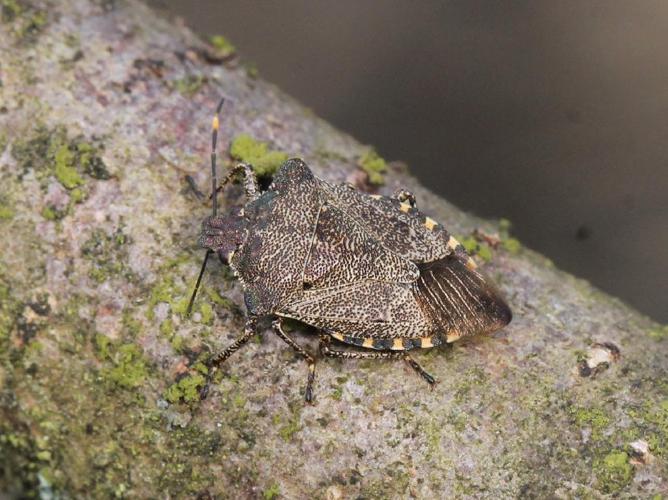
(326, 350)
(405, 196)
(250, 329)
(251, 187)
(278, 328)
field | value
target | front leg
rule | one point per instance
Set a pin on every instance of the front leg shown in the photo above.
(251, 186)
(250, 330)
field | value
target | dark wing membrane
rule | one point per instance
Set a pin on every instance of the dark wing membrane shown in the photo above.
(361, 310)
(458, 300)
(397, 226)
(343, 252)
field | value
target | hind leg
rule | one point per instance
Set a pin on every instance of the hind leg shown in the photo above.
(326, 350)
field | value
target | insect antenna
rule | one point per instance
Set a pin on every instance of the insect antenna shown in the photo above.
(215, 125)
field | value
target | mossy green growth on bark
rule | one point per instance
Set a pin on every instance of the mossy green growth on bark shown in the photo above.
(189, 85)
(64, 169)
(222, 45)
(613, 472)
(595, 418)
(475, 247)
(26, 21)
(6, 213)
(265, 161)
(374, 166)
(659, 333)
(129, 368)
(9, 309)
(51, 153)
(274, 491)
(107, 254)
(510, 244)
(187, 389)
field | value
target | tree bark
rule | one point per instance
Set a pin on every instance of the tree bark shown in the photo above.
(105, 108)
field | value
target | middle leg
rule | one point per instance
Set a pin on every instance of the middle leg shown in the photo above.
(278, 328)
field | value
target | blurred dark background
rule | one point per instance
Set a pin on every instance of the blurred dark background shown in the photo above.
(551, 114)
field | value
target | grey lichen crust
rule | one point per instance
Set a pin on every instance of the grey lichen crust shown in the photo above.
(104, 108)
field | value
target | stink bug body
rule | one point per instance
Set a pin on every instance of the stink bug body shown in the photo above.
(366, 270)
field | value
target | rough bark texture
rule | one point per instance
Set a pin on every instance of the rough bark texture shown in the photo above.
(104, 108)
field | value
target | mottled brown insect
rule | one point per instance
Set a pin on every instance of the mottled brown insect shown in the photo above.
(369, 271)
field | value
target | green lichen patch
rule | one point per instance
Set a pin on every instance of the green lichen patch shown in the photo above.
(26, 21)
(189, 85)
(166, 290)
(594, 418)
(87, 157)
(374, 166)
(18, 459)
(10, 310)
(172, 290)
(251, 70)
(289, 429)
(224, 49)
(206, 312)
(475, 247)
(131, 325)
(272, 492)
(264, 160)
(129, 368)
(187, 389)
(167, 328)
(653, 423)
(65, 169)
(613, 472)
(6, 212)
(508, 243)
(51, 153)
(221, 301)
(512, 245)
(107, 254)
(659, 333)
(52, 213)
(103, 346)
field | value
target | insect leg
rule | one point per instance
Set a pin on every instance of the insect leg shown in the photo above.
(405, 196)
(250, 329)
(326, 350)
(193, 187)
(251, 185)
(308, 394)
(421, 371)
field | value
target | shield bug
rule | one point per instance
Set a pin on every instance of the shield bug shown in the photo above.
(368, 271)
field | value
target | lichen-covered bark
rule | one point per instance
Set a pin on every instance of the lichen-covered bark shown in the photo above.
(104, 109)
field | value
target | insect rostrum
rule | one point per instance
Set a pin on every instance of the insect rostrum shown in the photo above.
(366, 270)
